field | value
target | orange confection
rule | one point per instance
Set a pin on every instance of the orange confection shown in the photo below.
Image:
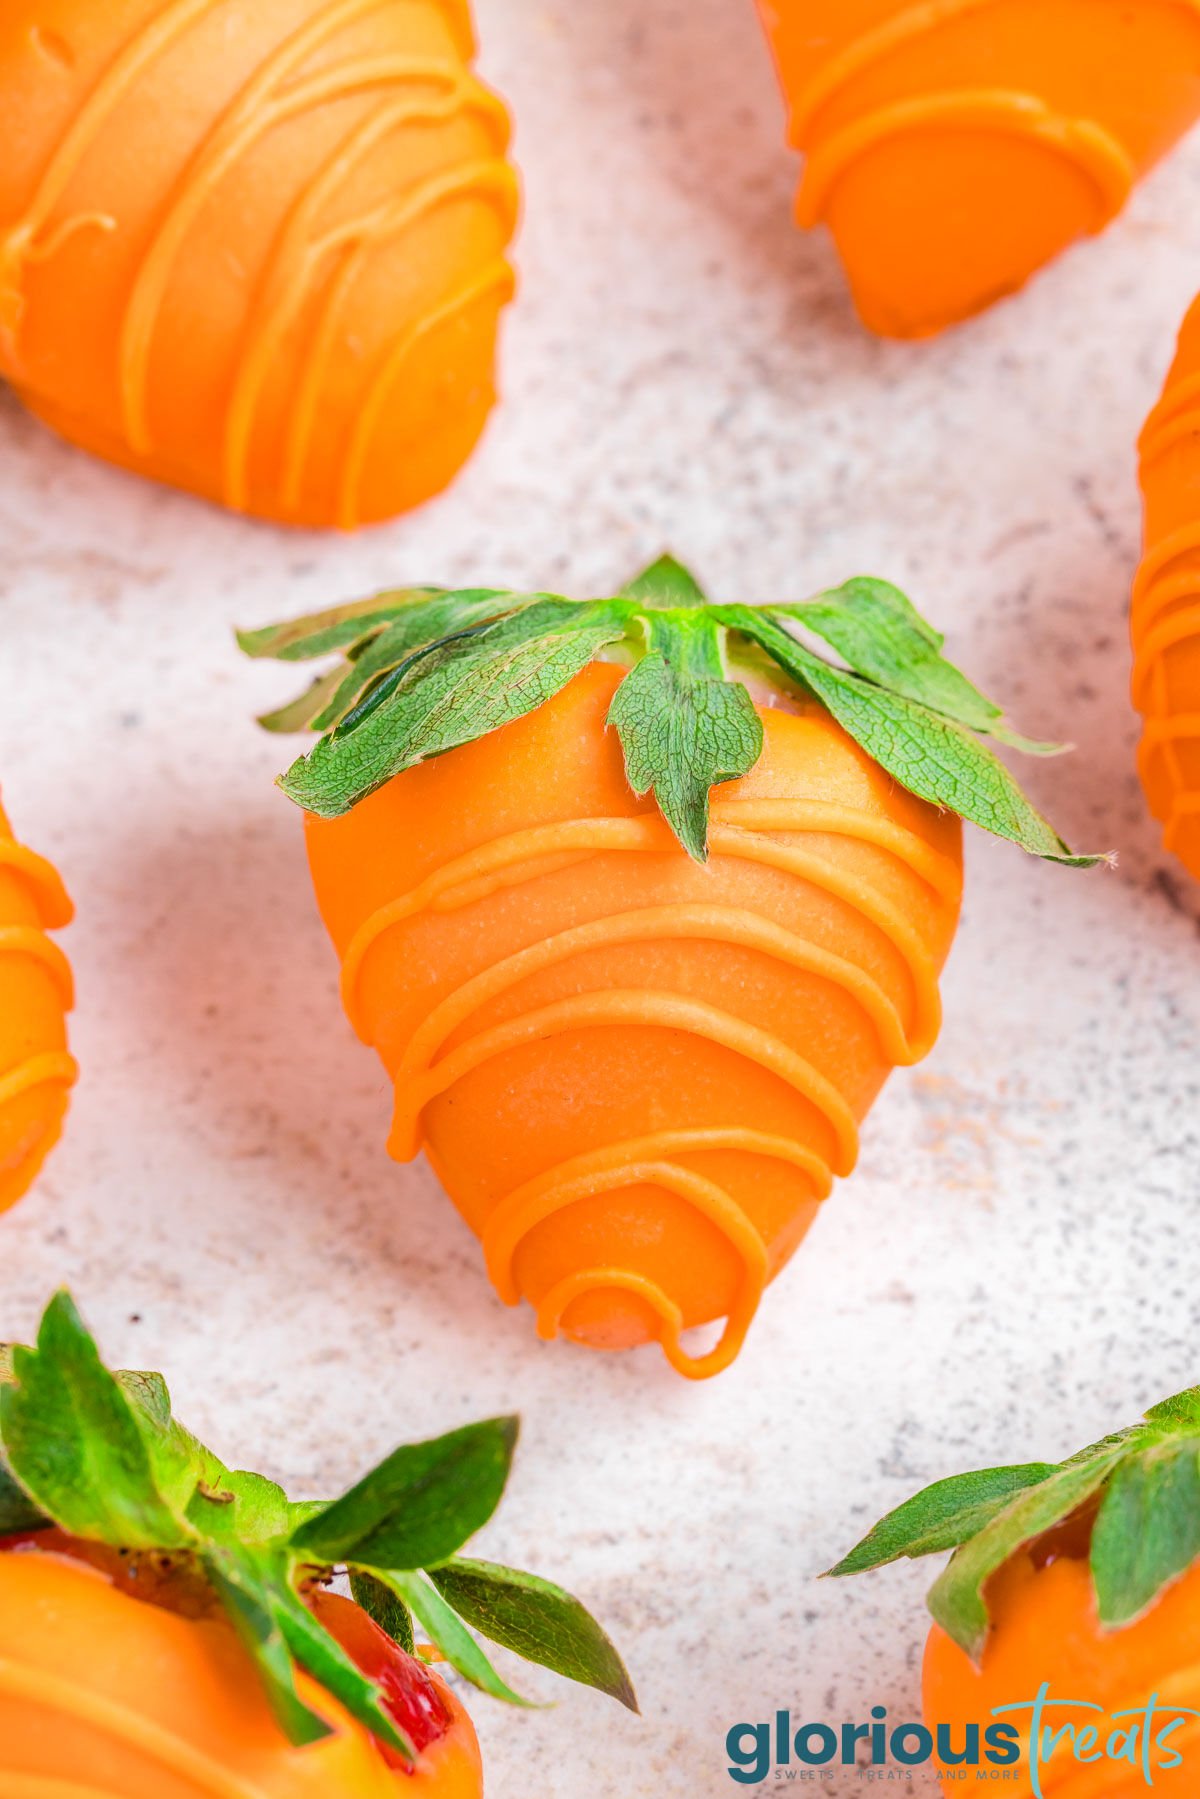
(1046, 1628)
(636, 1044)
(953, 147)
(1064, 1660)
(168, 1626)
(36, 991)
(103, 1695)
(1166, 605)
(255, 251)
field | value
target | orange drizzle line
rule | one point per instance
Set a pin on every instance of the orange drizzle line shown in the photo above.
(357, 239)
(530, 854)
(1166, 614)
(261, 105)
(497, 279)
(1095, 151)
(38, 1687)
(54, 907)
(648, 1160)
(43, 1786)
(1177, 397)
(29, 940)
(55, 1067)
(296, 254)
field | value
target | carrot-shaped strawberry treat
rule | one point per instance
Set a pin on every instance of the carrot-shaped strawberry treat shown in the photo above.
(36, 993)
(256, 251)
(635, 1034)
(167, 1624)
(955, 146)
(1078, 1582)
(1166, 604)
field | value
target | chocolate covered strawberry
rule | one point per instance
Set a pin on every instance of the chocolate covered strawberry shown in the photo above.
(640, 900)
(167, 1625)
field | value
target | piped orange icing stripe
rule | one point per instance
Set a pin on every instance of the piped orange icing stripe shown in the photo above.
(667, 1011)
(40, 1066)
(357, 238)
(254, 111)
(498, 280)
(41, 1786)
(54, 1068)
(38, 1687)
(29, 940)
(1093, 150)
(298, 251)
(528, 854)
(1175, 627)
(648, 1159)
(714, 924)
(760, 831)
(879, 42)
(43, 880)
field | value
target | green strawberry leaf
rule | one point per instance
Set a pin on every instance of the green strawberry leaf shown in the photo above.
(934, 757)
(418, 1506)
(683, 728)
(302, 713)
(666, 583)
(536, 1620)
(449, 694)
(1147, 1532)
(335, 628)
(426, 670)
(77, 1444)
(1141, 1484)
(383, 1604)
(941, 1516)
(1179, 1415)
(322, 1656)
(101, 1455)
(245, 1585)
(957, 1599)
(448, 1633)
(879, 633)
(239, 1507)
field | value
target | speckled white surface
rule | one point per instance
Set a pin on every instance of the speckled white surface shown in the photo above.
(1014, 1267)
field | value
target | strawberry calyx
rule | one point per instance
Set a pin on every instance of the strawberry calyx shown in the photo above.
(422, 671)
(1128, 1505)
(94, 1465)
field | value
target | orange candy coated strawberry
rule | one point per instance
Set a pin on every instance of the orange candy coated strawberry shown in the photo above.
(637, 987)
(166, 1628)
(953, 147)
(102, 1694)
(1166, 605)
(255, 251)
(1067, 1617)
(636, 1076)
(1046, 1628)
(36, 991)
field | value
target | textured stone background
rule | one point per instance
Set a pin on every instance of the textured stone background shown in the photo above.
(1015, 1265)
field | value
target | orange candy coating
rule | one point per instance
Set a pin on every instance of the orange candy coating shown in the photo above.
(636, 1076)
(255, 251)
(953, 147)
(36, 991)
(1166, 604)
(1045, 1628)
(103, 1695)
